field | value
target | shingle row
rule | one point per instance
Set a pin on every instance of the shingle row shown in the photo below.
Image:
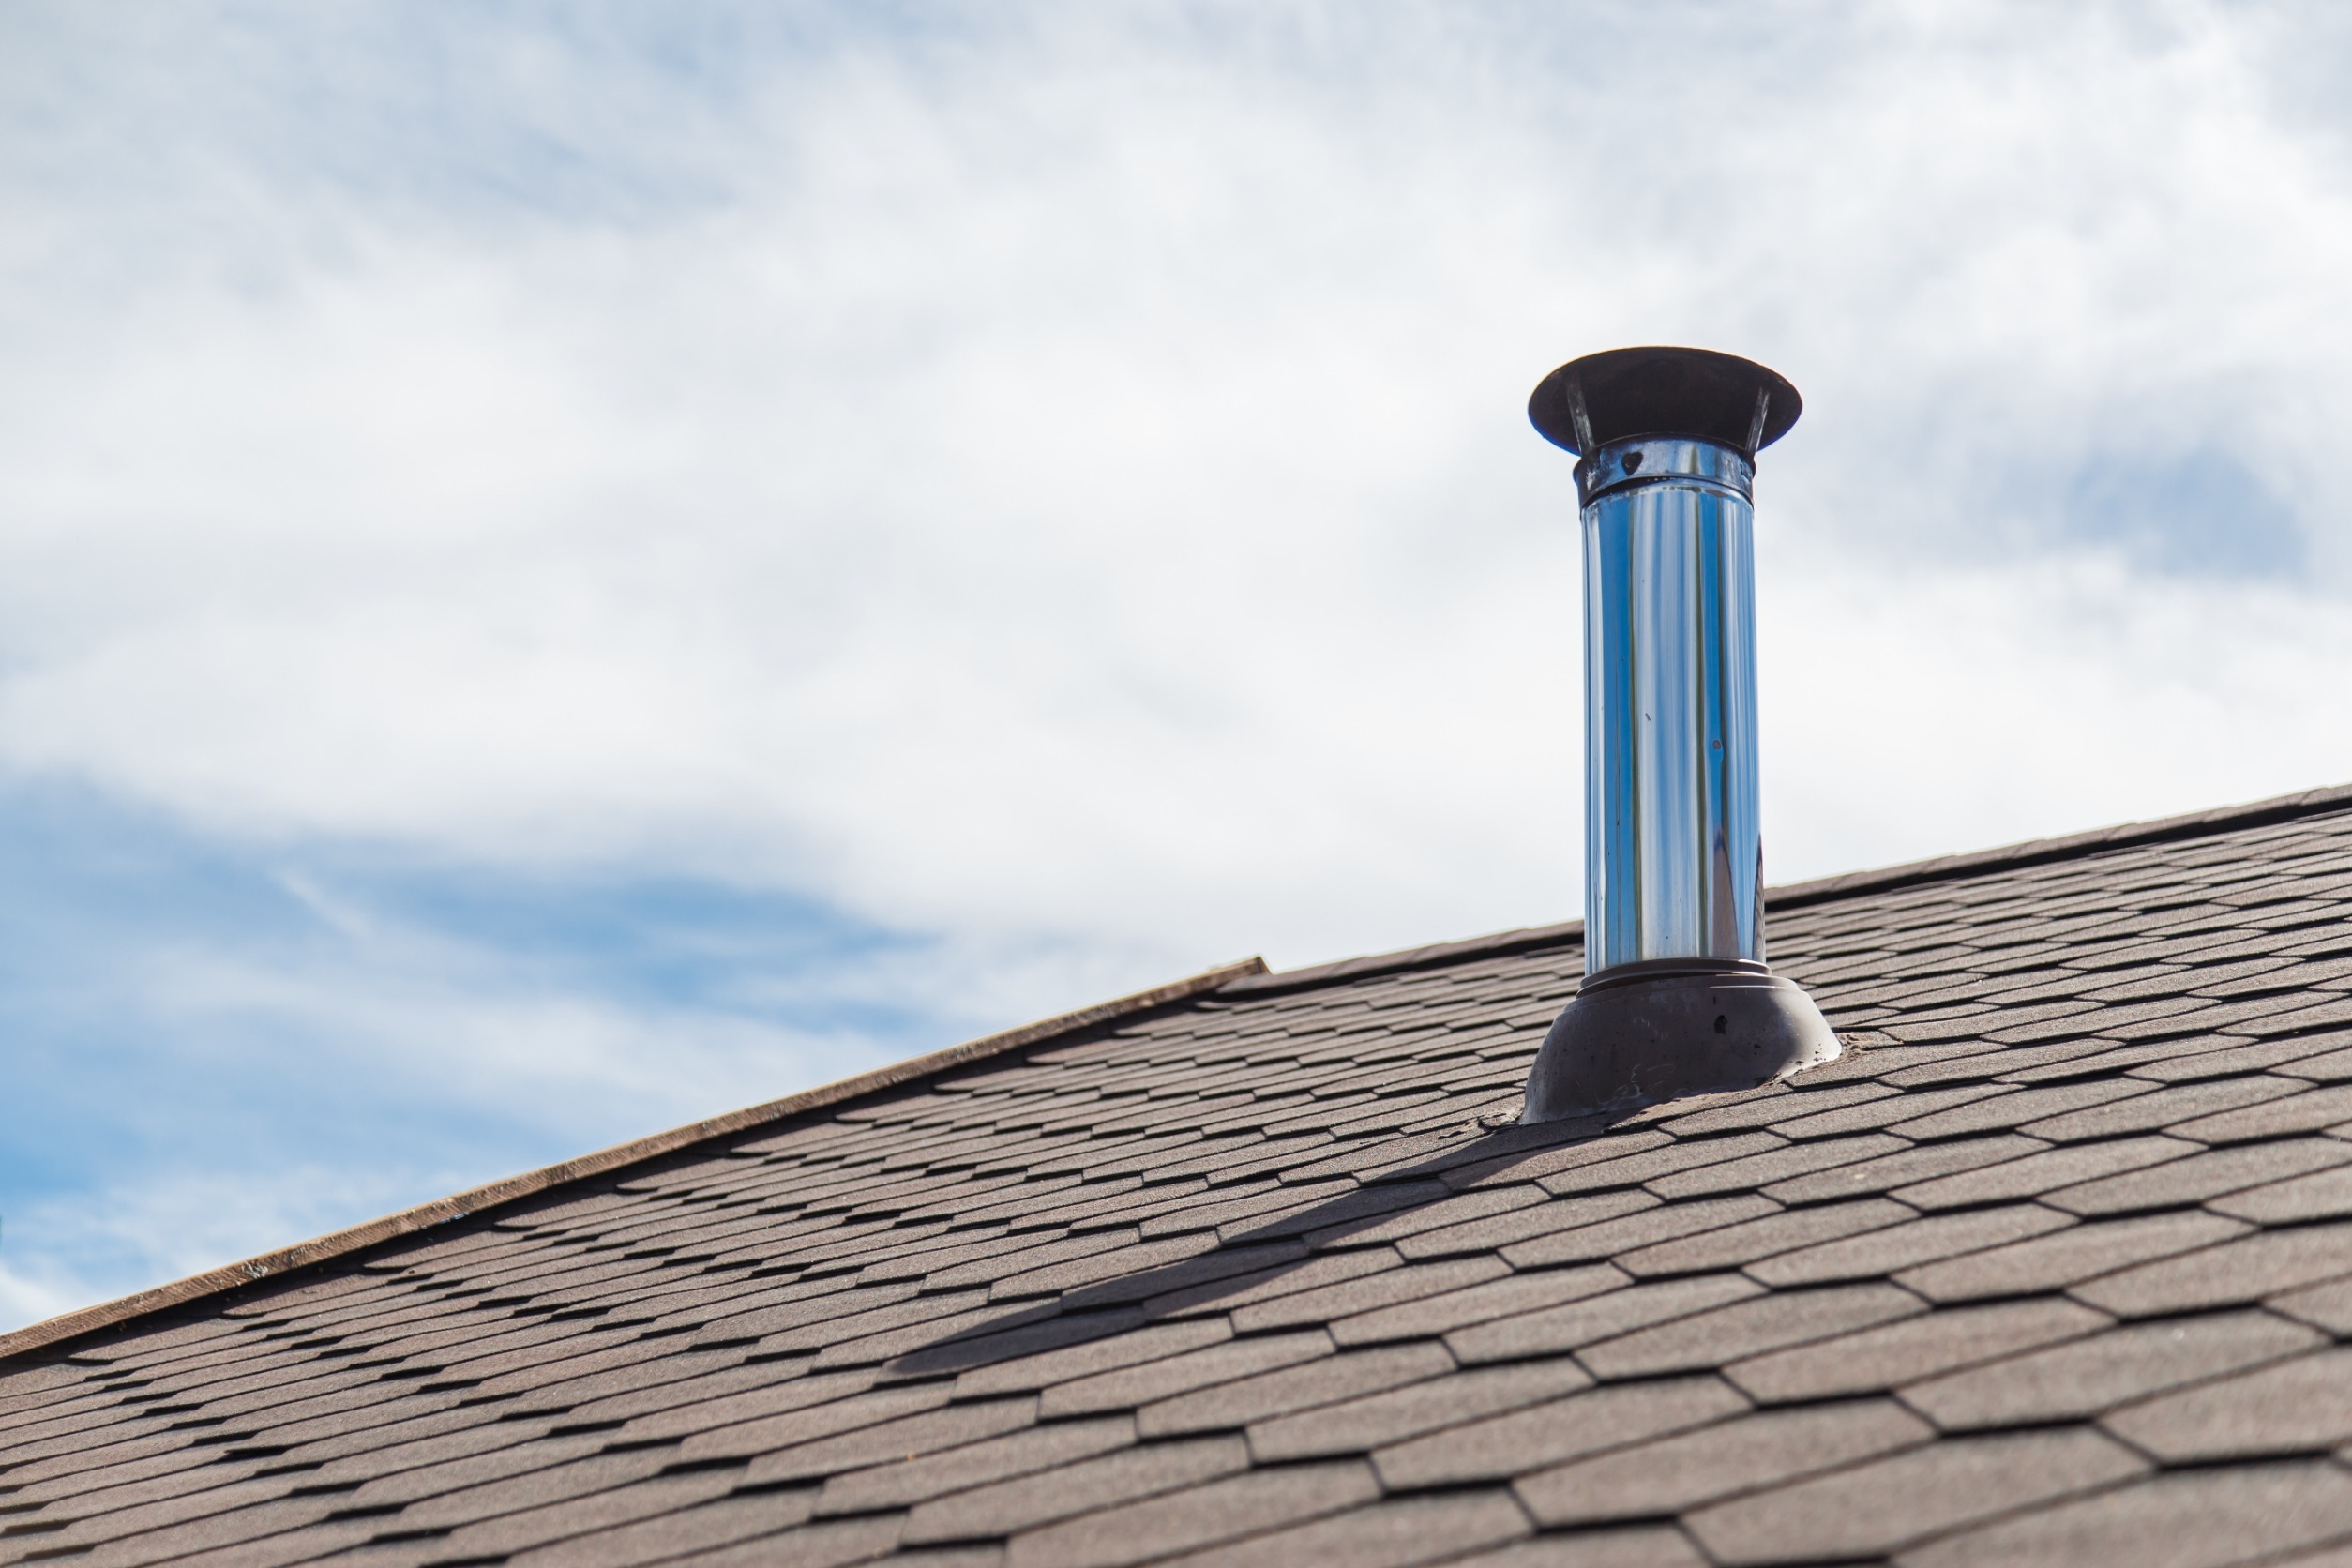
(2055, 1270)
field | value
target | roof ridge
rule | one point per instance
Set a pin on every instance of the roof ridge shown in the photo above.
(357, 1238)
(2037, 851)
(1518, 939)
(1822, 890)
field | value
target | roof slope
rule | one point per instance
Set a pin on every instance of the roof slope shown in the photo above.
(2053, 1272)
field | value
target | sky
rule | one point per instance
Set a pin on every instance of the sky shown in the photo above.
(565, 569)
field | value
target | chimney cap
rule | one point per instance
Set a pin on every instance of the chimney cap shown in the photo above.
(1663, 391)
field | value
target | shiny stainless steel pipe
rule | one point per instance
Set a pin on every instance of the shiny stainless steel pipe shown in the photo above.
(1677, 999)
(1673, 850)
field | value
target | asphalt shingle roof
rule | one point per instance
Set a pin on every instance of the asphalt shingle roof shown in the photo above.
(2051, 1269)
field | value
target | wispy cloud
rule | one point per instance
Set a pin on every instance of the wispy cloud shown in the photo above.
(989, 506)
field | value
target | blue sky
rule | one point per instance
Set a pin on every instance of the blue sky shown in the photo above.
(566, 568)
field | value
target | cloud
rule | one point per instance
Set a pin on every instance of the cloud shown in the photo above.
(1042, 491)
(1973, 707)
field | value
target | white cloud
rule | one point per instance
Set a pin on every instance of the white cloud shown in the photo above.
(1063, 481)
(43, 1293)
(1051, 479)
(1958, 709)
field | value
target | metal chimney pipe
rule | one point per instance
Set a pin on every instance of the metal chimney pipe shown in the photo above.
(1677, 999)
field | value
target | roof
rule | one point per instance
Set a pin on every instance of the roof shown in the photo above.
(2051, 1269)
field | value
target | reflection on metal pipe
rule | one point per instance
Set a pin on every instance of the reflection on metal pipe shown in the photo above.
(1673, 858)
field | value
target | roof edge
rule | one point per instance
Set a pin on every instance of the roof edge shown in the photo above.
(1517, 940)
(89, 1320)
(1822, 890)
(2037, 851)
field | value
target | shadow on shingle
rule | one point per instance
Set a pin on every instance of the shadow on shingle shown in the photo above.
(1248, 1260)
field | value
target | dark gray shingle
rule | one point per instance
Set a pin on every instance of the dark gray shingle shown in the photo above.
(2049, 1269)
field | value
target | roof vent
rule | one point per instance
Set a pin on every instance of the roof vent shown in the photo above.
(1677, 999)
